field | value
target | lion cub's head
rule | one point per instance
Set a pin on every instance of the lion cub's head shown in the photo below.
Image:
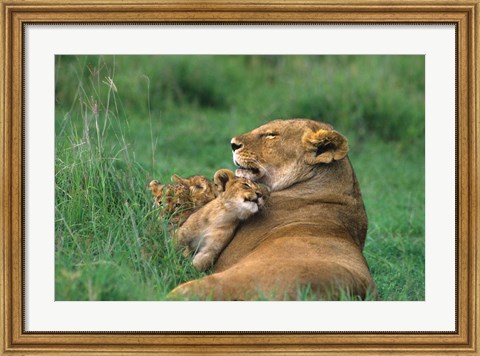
(284, 152)
(239, 195)
(202, 190)
(178, 200)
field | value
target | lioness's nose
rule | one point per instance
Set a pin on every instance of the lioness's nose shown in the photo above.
(236, 146)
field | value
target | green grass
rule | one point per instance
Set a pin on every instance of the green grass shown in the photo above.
(392, 182)
(122, 121)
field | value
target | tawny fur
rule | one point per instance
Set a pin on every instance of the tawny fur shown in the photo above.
(313, 232)
(209, 229)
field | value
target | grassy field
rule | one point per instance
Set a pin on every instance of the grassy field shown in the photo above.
(122, 121)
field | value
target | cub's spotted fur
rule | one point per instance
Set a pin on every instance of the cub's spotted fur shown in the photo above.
(179, 200)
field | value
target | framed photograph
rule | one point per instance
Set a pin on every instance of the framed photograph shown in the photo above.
(213, 177)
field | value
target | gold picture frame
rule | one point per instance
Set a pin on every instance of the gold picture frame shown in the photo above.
(463, 14)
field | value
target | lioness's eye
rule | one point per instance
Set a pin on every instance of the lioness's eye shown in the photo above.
(270, 135)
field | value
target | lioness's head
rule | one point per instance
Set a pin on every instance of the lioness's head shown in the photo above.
(240, 194)
(283, 152)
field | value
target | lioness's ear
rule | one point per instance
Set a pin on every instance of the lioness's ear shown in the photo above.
(221, 178)
(324, 146)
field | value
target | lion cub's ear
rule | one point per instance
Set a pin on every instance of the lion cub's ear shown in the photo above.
(156, 187)
(221, 178)
(178, 179)
(324, 146)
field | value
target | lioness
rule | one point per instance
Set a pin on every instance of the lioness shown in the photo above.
(313, 232)
(208, 230)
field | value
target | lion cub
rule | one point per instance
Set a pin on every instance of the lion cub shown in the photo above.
(208, 230)
(180, 199)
